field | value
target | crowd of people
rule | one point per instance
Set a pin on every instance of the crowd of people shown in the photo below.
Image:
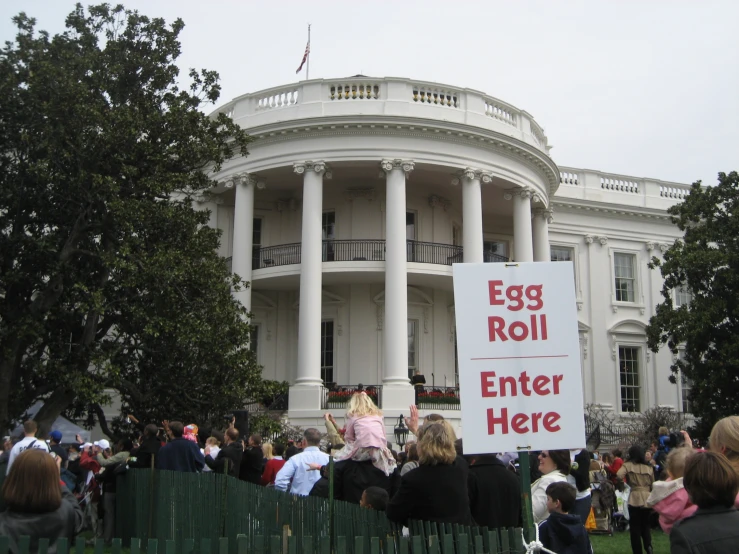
(53, 491)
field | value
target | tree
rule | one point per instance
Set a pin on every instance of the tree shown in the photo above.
(108, 277)
(703, 335)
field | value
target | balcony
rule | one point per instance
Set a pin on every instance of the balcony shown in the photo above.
(437, 398)
(336, 397)
(363, 251)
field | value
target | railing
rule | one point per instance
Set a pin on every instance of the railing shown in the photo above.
(568, 178)
(366, 250)
(358, 91)
(437, 398)
(461, 105)
(353, 250)
(619, 185)
(433, 253)
(271, 256)
(673, 192)
(336, 397)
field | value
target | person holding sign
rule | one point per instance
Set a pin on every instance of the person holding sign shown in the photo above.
(555, 467)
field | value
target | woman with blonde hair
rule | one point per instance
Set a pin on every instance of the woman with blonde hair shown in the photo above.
(437, 489)
(38, 504)
(724, 439)
(267, 451)
(364, 438)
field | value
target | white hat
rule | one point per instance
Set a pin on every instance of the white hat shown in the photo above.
(102, 443)
(86, 445)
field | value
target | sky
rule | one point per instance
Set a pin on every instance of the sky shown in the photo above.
(643, 88)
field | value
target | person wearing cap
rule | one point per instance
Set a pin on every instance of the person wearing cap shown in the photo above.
(55, 440)
(30, 428)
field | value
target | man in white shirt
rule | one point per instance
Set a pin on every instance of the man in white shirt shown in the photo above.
(29, 441)
(297, 469)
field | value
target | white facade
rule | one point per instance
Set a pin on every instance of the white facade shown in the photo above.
(357, 196)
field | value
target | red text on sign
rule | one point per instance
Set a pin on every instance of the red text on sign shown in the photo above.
(519, 423)
(508, 386)
(515, 295)
(536, 327)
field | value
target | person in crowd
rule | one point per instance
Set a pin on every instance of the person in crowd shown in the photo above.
(437, 489)
(74, 452)
(272, 468)
(145, 454)
(612, 463)
(229, 457)
(725, 439)
(91, 467)
(7, 447)
(365, 435)
(669, 498)
(712, 484)
(180, 454)
(555, 467)
(375, 498)
(579, 477)
(191, 432)
(266, 453)
(38, 505)
(252, 462)
(563, 532)
(418, 381)
(296, 475)
(335, 437)
(412, 460)
(291, 451)
(55, 446)
(495, 493)
(30, 428)
(213, 447)
(111, 467)
(638, 474)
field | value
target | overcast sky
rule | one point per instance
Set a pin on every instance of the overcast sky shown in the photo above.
(643, 88)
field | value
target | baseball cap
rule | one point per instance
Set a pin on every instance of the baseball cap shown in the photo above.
(102, 443)
(56, 435)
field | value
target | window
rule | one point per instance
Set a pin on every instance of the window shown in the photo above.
(412, 347)
(254, 340)
(329, 234)
(562, 254)
(625, 270)
(456, 235)
(685, 385)
(410, 225)
(683, 296)
(628, 363)
(256, 241)
(327, 351)
(495, 251)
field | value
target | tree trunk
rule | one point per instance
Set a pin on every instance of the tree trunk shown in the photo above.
(59, 401)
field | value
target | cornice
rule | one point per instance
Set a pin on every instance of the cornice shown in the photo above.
(506, 145)
(617, 210)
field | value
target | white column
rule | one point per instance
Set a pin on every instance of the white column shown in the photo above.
(472, 247)
(523, 248)
(243, 235)
(540, 224)
(396, 277)
(311, 264)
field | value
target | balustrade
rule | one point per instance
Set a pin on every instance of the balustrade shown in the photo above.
(568, 178)
(674, 192)
(278, 100)
(619, 185)
(501, 112)
(428, 95)
(355, 91)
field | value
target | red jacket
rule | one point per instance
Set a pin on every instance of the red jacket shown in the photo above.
(270, 471)
(89, 462)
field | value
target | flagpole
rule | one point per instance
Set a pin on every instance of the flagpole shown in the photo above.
(307, 67)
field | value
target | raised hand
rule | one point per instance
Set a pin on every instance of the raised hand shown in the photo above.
(412, 421)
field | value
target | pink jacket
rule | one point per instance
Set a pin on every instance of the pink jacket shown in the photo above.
(670, 500)
(366, 431)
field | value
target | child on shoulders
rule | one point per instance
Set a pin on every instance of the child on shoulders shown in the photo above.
(561, 532)
(365, 437)
(669, 498)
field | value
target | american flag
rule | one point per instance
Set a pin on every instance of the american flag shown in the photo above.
(305, 57)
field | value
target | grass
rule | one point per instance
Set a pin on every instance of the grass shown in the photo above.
(620, 543)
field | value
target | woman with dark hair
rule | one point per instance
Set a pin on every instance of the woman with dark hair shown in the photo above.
(579, 478)
(143, 456)
(554, 466)
(712, 485)
(38, 504)
(412, 460)
(639, 475)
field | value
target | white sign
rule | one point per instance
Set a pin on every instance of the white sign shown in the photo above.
(519, 357)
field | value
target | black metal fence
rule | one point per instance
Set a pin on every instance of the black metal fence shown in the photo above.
(336, 397)
(353, 250)
(437, 398)
(433, 253)
(270, 256)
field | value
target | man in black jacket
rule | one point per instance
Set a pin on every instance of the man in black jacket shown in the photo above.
(230, 455)
(352, 478)
(252, 462)
(180, 454)
(143, 456)
(495, 493)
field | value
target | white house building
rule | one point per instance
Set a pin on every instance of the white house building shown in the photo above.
(357, 196)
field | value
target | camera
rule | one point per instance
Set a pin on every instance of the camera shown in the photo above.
(675, 440)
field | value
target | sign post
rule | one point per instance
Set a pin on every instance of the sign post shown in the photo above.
(519, 361)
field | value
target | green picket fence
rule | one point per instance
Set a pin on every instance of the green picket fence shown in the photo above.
(181, 509)
(419, 544)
